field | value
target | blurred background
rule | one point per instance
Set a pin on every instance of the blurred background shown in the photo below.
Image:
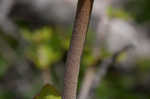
(35, 36)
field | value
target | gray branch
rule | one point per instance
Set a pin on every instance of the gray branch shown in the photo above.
(94, 76)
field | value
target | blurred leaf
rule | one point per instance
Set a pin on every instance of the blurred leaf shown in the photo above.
(139, 9)
(45, 47)
(114, 90)
(46, 56)
(88, 58)
(90, 37)
(66, 43)
(42, 35)
(48, 92)
(26, 34)
(143, 64)
(118, 13)
(3, 66)
(4, 94)
(121, 57)
(105, 53)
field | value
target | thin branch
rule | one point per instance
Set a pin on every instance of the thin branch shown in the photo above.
(80, 28)
(93, 78)
(87, 82)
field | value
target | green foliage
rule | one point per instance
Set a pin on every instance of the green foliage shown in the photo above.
(139, 9)
(46, 55)
(6, 94)
(119, 88)
(118, 13)
(143, 64)
(105, 53)
(122, 56)
(48, 92)
(88, 58)
(45, 47)
(3, 66)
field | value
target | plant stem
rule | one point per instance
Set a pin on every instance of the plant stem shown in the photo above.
(80, 28)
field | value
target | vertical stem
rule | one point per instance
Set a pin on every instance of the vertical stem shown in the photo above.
(87, 82)
(46, 75)
(80, 28)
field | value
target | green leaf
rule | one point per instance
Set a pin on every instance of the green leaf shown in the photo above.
(46, 56)
(118, 13)
(121, 57)
(143, 64)
(42, 35)
(3, 67)
(45, 47)
(88, 58)
(48, 92)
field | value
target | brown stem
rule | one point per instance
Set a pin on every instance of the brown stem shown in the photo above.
(80, 28)
(46, 75)
(87, 82)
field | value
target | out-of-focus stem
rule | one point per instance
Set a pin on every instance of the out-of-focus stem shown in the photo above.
(46, 76)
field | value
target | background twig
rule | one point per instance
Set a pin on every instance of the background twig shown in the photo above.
(93, 75)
